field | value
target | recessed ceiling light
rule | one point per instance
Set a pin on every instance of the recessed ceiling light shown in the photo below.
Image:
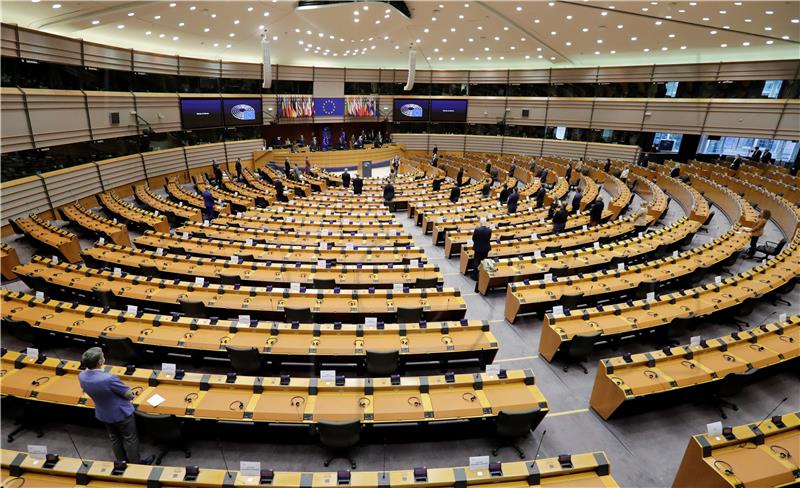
(161, 36)
(365, 7)
(585, 29)
(433, 19)
(713, 32)
(301, 42)
(738, 4)
(769, 12)
(785, 38)
(480, 27)
(569, 17)
(232, 34)
(378, 21)
(770, 41)
(502, 57)
(385, 17)
(603, 13)
(396, 47)
(552, 33)
(308, 32)
(745, 44)
(428, 58)
(249, 9)
(466, 5)
(647, 49)
(612, 7)
(519, 9)
(452, 29)
(658, 22)
(538, 49)
(274, 38)
(671, 36)
(172, 4)
(550, 4)
(665, 48)
(513, 48)
(35, 1)
(236, 22)
(706, 19)
(527, 56)
(181, 24)
(620, 26)
(568, 43)
(597, 52)
(216, 44)
(440, 58)
(436, 49)
(599, 41)
(444, 39)
(175, 38)
(385, 38)
(470, 40)
(193, 8)
(522, 39)
(540, 56)
(121, 26)
(683, 48)
(748, 20)
(552, 58)
(767, 28)
(131, 14)
(795, 21)
(486, 49)
(723, 45)
(693, 4)
(148, 33)
(95, 22)
(419, 41)
(536, 21)
(489, 58)
(682, 10)
(355, 20)
(634, 38)
(461, 16)
(477, 58)
(56, 5)
(496, 38)
(206, 29)
(228, 46)
(723, 12)
(213, 16)
(461, 49)
(613, 52)
(505, 28)
(645, 9)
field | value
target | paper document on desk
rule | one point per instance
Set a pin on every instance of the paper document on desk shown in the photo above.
(155, 400)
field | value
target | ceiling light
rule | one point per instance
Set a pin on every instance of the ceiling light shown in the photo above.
(35, 1)
(131, 14)
(745, 44)
(634, 38)
(671, 36)
(603, 13)
(569, 17)
(213, 16)
(161, 36)
(723, 12)
(385, 17)
(665, 48)
(388, 11)
(770, 41)
(297, 30)
(157, 17)
(540, 56)
(148, 33)
(552, 33)
(767, 28)
(550, 4)
(440, 58)
(682, 10)
(505, 28)
(433, 19)
(477, 58)
(470, 40)
(56, 5)
(426, 30)
(489, 58)
(599, 41)
(206, 29)
(419, 41)
(683, 48)
(216, 44)
(175, 38)
(597, 52)
(461, 16)
(748, 20)
(769, 12)
(228, 46)
(502, 57)
(95, 22)
(461, 49)
(645, 9)
(568, 43)
(620, 26)
(585, 29)
(738, 4)
(785, 38)
(274, 38)
(713, 32)
(527, 57)
(486, 49)
(378, 21)
(236, 22)
(538, 49)
(452, 29)
(231, 35)
(658, 22)
(613, 52)
(466, 5)
(249, 9)
(693, 4)
(496, 38)
(355, 20)
(121, 26)
(385, 38)
(193, 8)
(172, 4)
(365, 7)
(706, 19)
(396, 47)
(436, 49)
(536, 21)
(428, 58)
(181, 24)
(480, 27)
(301, 42)
(513, 48)
(723, 45)
(519, 9)
(647, 50)
(522, 39)
(308, 32)
(552, 58)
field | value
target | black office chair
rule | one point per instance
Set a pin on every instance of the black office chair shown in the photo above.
(577, 350)
(571, 301)
(193, 308)
(426, 282)
(671, 334)
(244, 360)
(560, 272)
(301, 315)
(229, 279)
(409, 315)
(91, 261)
(105, 297)
(244, 258)
(147, 270)
(704, 226)
(24, 332)
(26, 415)
(382, 363)
(165, 430)
(323, 284)
(733, 315)
(643, 288)
(771, 248)
(261, 202)
(511, 426)
(121, 349)
(551, 249)
(176, 250)
(339, 437)
(730, 386)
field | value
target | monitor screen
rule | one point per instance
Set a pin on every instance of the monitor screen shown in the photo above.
(201, 113)
(242, 111)
(411, 110)
(448, 110)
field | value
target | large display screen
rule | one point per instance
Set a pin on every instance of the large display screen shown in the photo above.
(411, 110)
(448, 110)
(242, 111)
(201, 113)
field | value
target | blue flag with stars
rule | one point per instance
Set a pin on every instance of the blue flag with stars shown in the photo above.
(328, 107)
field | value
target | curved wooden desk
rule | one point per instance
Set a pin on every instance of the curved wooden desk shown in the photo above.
(48, 235)
(95, 224)
(146, 197)
(128, 213)
(9, 260)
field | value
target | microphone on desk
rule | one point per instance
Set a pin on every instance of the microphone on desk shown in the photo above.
(83, 463)
(536, 456)
(228, 475)
(764, 320)
(771, 412)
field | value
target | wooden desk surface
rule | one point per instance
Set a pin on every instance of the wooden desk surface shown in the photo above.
(301, 401)
(143, 194)
(63, 241)
(234, 301)
(619, 379)
(127, 211)
(9, 260)
(260, 273)
(587, 470)
(270, 338)
(286, 253)
(89, 220)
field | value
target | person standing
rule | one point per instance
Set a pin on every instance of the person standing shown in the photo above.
(576, 200)
(559, 218)
(513, 201)
(624, 175)
(239, 168)
(217, 172)
(504, 192)
(346, 179)
(481, 245)
(767, 157)
(208, 204)
(737, 162)
(756, 156)
(568, 174)
(437, 184)
(112, 406)
(596, 212)
(540, 194)
(487, 189)
(287, 168)
(279, 189)
(460, 177)
(388, 192)
(757, 231)
(307, 167)
(607, 166)
(358, 185)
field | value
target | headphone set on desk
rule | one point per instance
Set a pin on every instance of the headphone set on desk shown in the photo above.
(236, 405)
(190, 397)
(297, 401)
(414, 402)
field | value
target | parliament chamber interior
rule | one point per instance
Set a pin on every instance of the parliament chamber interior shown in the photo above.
(400, 243)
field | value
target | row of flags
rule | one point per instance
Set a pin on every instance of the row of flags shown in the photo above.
(299, 106)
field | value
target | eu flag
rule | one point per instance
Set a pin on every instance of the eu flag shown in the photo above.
(328, 107)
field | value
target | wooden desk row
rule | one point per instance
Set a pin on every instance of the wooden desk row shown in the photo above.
(128, 213)
(48, 235)
(735, 208)
(235, 200)
(278, 342)
(286, 400)
(231, 301)
(581, 260)
(537, 295)
(9, 260)
(95, 224)
(589, 470)
(248, 191)
(574, 238)
(673, 370)
(760, 453)
(279, 253)
(176, 191)
(641, 316)
(271, 175)
(259, 273)
(178, 210)
(378, 224)
(314, 209)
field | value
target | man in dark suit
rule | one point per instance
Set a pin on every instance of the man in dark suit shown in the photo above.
(756, 156)
(596, 212)
(540, 194)
(675, 172)
(217, 172)
(559, 218)
(576, 200)
(568, 174)
(487, 189)
(455, 192)
(481, 244)
(279, 189)
(358, 185)
(287, 168)
(460, 177)
(346, 179)
(239, 168)
(607, 166)
(543, 176)
(513, 201)
(504, 194)
(737, 162)
(388, 192)
(767, 157)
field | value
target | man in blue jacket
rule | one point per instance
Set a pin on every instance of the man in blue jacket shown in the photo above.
(513, 201)
(208, 203)
(112, 406)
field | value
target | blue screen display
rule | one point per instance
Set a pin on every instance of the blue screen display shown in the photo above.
(411, 109)
(242, 111)
(201, 113)
(448, 110)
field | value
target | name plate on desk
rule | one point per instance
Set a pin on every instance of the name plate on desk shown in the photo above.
(558, 309)
(234, 259)
(117, 271)
(37, 451)
(244, 319)
(294, 286)
(714, 428)
(185, 235)
(40, 295)
(371, 321)
(782, 317)
(651, 295)
(414, 263)
(250, 468)
(168, 369)
(160, 251)
(348, 246)
(199, 281)
(695, 340)
(621, 267)
(32, 352)
(323, 246)
(597, 244)
(133, 309)
(548, 277)
(397, 287)
(321, 263)
(327, 375)
(248, 242)
(537, 254)
(477, 463)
